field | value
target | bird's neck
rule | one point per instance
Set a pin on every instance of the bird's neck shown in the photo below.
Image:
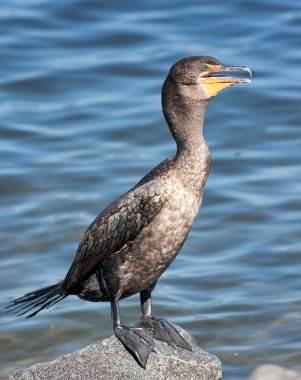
(185, 117)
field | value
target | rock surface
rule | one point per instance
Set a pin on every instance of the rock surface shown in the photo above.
(108, 360)
(274, 372)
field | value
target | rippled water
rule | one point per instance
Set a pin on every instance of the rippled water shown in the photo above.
(81, 122)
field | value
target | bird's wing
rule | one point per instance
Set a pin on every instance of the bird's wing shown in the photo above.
(116, 226)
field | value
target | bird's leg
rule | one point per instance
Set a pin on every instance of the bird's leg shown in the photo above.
(162, 330)
(135, 340)
(146, 303)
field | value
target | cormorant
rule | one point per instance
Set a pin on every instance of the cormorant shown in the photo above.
(132, 242)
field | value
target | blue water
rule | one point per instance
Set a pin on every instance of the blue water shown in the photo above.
(81, 123)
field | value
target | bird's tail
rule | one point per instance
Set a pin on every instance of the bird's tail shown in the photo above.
(38, 299)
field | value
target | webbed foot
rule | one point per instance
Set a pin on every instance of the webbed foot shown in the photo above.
(138, 341)
(164, 331)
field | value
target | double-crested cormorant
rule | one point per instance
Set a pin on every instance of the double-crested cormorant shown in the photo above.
(132, 242)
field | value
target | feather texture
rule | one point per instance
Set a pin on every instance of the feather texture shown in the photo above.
(116, 226)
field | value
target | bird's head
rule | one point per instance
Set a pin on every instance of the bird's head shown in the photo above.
(203, 77)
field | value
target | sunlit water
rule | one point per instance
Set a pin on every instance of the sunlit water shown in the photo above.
(81, 123)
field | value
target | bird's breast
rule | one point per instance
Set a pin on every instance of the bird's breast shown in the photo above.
(159, 242)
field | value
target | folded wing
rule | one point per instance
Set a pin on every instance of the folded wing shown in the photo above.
(116, 226)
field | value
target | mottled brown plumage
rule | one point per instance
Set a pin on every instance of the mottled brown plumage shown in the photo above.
(132, 242)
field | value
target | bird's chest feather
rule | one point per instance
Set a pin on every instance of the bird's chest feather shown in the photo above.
(158, 244)
(175, 220)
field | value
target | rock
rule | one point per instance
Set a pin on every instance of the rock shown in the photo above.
(274, 372)
(108, 360)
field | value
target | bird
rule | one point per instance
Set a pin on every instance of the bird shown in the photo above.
(132, 242)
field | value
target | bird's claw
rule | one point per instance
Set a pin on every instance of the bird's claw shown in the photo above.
(138, 341)
(164, 331)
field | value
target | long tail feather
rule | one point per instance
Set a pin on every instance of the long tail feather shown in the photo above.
(38, 299)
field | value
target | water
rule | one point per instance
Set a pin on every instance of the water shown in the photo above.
(81, 122)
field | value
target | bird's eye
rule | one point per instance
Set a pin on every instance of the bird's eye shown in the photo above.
(205, 68)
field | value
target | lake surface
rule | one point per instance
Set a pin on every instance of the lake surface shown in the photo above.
(81, 123)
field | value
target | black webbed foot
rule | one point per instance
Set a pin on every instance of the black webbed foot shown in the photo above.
(138, 341)
(165, 332)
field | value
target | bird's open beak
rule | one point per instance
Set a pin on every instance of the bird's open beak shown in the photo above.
(214, 80)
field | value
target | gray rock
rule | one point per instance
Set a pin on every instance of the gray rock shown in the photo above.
(108, 360)
(274, 372)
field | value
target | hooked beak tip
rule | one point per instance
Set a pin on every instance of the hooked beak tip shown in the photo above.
(247, 69)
